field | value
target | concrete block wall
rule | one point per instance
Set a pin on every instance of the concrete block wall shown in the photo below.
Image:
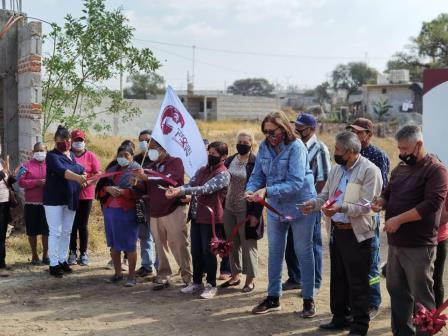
(29, 68)
(245, 107)
(395, 97)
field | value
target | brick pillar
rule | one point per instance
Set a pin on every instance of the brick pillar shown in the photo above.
(29, 84)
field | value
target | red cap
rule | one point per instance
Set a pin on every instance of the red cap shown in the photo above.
(76, 134)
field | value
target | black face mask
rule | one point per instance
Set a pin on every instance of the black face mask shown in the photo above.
(243, 149)
(340, 160)
(409, 159)
(213, 160)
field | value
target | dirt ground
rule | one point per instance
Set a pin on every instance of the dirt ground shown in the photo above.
(33, 303)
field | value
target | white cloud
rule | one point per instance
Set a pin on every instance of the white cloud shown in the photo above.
(201, 29)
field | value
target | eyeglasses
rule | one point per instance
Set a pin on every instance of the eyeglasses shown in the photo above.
(270, 132)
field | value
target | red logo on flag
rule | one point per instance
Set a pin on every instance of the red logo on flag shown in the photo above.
(171, 117)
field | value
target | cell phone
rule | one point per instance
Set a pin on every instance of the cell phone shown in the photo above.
(21, 171)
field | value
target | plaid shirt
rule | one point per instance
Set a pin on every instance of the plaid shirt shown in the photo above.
(380, 159)
(319, 159)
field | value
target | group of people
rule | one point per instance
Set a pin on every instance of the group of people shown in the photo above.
(144, 197)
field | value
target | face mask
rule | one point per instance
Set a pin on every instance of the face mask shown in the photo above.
(143, 145)
(275, 140)
(39, 156)
(340, 160)
(242, 149)
(213, 160)
(122, 161)
(63, 145)
(153, 154)
(80, 145)
(409, 159)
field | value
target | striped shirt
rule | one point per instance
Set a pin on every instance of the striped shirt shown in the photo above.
(318, 158)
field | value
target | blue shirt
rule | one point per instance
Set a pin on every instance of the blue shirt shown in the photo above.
(342, 186)
(319, 159)
(286, 176)
(380, 159)
(58, 190)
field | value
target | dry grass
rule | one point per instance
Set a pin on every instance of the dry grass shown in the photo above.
(105, 147)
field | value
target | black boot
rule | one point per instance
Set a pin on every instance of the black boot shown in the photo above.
(65, 267)
(56, 271)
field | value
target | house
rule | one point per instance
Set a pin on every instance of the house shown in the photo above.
(218, 105)
(403, 97)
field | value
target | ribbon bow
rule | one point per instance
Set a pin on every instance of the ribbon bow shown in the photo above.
(430, 321)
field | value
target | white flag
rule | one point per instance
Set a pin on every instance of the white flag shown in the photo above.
(177, 132)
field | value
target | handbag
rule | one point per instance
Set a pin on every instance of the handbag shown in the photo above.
(140, 210)
(255, 232)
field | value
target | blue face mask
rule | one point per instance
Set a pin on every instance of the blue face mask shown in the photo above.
(122, 161)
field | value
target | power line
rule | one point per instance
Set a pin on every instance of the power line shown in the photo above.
(260, 54)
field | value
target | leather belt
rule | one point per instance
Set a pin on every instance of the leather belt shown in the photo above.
(343, 226)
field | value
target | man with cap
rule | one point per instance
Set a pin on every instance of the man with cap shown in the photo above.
(92, 165)
(363, 128)
(319, 160)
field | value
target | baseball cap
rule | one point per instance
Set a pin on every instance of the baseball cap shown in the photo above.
(361, 124)
(306, 119)
(78, 134)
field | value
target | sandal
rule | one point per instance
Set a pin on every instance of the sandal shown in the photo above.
(230, 284)
(248, 288)
(114, 279)
(160, 286)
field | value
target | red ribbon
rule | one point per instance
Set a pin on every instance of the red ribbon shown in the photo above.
(260, 200)
(100, 176)
(430, 321)
(163, 177)
(218, 246)
(333, 199)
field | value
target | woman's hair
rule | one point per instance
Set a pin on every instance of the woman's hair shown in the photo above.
(220, 147)
(280, 119)
(40, 143)
(128, 143)
(62, 132)
(248, 134)
(125, 148)
(145, 132)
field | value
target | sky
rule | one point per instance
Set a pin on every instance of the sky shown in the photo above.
(288, 42)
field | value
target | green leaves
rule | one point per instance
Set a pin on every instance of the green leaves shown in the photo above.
(88, 51)
(252, 87)
(381, 109)
(350, 77)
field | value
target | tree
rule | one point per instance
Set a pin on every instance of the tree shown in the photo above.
(410, 61)
(87, 51)
(381, 109)
(350, 77)
(252, 87)
(428, 50)
(432, 42)
(144, 86)
(322, 94)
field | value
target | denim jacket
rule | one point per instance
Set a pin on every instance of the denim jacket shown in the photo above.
(287, 177)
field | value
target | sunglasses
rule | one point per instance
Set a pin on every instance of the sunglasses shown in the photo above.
(270, 132)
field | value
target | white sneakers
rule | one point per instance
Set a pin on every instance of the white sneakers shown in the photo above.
(208, 293)
(191, 288)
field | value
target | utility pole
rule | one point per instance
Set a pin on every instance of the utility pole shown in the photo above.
(194, 60)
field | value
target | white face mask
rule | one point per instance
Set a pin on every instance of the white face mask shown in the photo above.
(143, 145)
(153, 154)
(39, 156)
(80, 145)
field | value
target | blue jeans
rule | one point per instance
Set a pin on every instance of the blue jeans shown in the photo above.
(374, 274)
(302, 230)
(292, 262)
(146, 247)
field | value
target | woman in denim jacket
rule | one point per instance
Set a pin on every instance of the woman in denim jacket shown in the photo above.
(283, 176)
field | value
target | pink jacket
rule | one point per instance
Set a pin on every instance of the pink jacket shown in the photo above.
(92, 166)
(35, 170)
